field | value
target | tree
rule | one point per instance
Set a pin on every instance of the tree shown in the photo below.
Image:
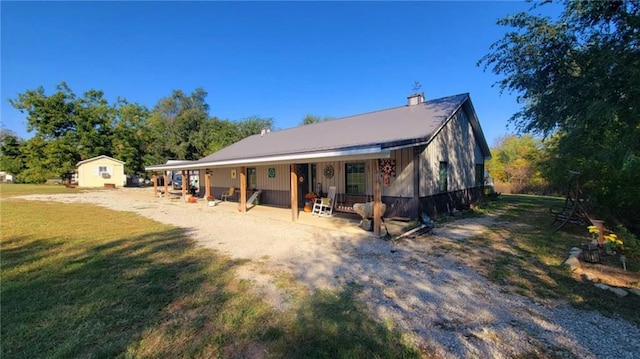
(578, 78)
(215, 135)
(93, 119)
(67, 129)
(253, 125)
(129, 142)
(515, 161)
(11, 158)
(174, 126)
(309, 119)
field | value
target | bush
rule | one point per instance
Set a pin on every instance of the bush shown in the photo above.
(631, 244)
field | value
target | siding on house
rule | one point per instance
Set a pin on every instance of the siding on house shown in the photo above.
(457, 146)
(402, 184)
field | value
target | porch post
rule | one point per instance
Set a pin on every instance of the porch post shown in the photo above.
(184, 185)
(166, 183)
(294, 193)
(377, 198)
(207, 183)
(416, 181)
(242, 204)
(154, 178)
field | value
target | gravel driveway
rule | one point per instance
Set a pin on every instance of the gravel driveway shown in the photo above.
(441, 303)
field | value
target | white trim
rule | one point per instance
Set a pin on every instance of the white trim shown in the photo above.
(97, 158)
(363, 153)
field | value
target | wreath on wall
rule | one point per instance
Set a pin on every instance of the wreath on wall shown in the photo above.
(328, 171)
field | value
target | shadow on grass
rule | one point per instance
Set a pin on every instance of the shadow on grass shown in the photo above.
(537, 268)
(135, 288)
(62, 300)
(334, 324)
(434, 286)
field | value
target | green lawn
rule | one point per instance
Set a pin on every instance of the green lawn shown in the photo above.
(17, 189)
(83, 281)
(525, 255)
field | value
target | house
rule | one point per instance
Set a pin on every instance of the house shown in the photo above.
(423, 157)
(6, 177)
(100, 171)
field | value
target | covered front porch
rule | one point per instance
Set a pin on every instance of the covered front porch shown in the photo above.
(293, 185)
(345, 222)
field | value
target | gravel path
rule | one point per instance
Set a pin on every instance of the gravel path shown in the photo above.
(444, 305)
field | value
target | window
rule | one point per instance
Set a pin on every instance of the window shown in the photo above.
(354, 176)
(252, 180)
(103, 171)
(479, 174)
(443, 174)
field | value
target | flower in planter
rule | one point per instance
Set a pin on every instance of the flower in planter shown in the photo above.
(612, 243)
(595, 233)
(311, 196)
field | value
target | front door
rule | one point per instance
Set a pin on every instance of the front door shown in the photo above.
(303, 182)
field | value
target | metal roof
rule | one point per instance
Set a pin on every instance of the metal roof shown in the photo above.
(365, 134)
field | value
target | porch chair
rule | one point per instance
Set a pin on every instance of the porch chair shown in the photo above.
(324, 206)
(230, 193)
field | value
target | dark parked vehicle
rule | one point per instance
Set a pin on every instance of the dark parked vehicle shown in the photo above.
(177, 182)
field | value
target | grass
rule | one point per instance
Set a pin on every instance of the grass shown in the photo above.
(526, 256)
(11, 190)
(84, 281)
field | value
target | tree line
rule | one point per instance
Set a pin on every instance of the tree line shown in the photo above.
(577, 78)
(68, 129)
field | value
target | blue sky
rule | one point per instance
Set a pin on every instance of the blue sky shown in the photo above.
(271, 59)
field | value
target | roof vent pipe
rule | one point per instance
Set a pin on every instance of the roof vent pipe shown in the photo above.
(415, 99)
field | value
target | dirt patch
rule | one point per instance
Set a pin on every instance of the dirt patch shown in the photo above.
(609, 274)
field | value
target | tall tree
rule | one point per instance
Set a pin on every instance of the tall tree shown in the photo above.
(215, 135)
(515, 161)
(174, 125)
(578, 76)
(67, 128)
(129, 142)
(93, 119)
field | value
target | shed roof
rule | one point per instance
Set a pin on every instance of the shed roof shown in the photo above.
(98, 158)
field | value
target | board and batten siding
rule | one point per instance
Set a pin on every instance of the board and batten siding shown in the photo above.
(456, 145)
(338, 180)
(402, 184)
(221, 177)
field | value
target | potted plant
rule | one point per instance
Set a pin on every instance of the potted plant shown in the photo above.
(612, 244)
(310, 198)
(211, 200)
